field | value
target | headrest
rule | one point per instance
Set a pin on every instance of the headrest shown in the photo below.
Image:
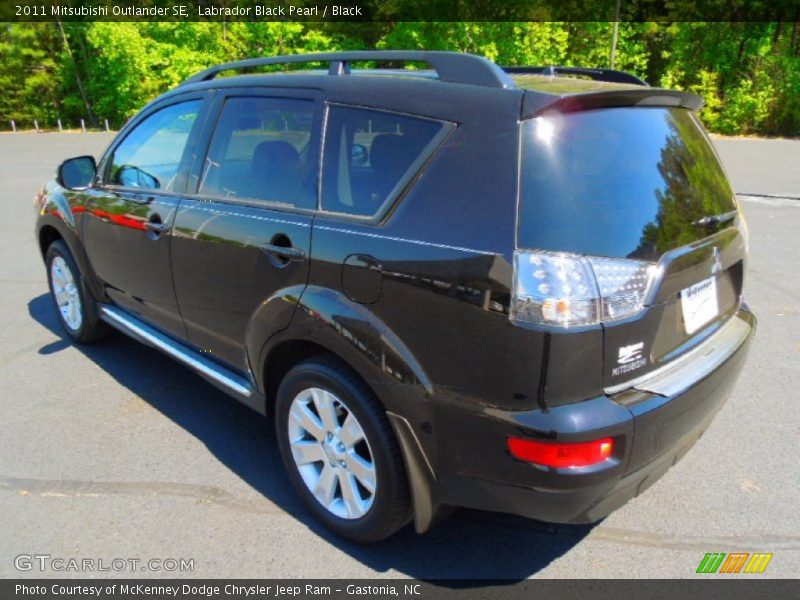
(274, 156)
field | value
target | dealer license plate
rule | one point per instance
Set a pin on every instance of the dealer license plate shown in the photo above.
(699, 304)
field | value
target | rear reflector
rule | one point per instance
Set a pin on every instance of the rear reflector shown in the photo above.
(560, 455)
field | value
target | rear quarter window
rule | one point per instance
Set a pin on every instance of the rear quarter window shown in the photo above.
(368, 157)
(621, 182)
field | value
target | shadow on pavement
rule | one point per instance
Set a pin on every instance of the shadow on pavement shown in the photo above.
(470, 545)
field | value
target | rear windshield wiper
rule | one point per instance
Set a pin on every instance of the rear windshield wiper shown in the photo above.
(715, 219)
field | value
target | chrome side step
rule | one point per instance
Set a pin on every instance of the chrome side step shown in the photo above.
(225, 379)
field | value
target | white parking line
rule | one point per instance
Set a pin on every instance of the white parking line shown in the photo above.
(771, 200)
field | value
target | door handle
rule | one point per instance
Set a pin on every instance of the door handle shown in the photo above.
(285, 252)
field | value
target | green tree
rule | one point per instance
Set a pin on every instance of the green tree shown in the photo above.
(29, 65)
(747, 73)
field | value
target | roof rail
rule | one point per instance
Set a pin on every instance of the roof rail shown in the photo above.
(453, 67)
(610, 75)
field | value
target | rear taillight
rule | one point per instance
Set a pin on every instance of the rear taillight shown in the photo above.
(570, 290)
(561, 455)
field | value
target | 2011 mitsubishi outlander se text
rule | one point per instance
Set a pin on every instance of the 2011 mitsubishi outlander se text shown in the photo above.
(515, 289)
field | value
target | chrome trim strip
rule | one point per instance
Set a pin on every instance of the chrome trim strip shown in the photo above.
(684, 371)
(193, 207)
(135, 328)
(336, 229)
(403, 240)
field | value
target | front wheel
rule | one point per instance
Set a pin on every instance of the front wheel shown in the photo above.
(74, 306)
(340, 451)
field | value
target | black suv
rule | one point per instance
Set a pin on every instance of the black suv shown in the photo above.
(513, 289)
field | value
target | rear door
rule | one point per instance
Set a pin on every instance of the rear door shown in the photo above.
(132, 207)
(244, 230)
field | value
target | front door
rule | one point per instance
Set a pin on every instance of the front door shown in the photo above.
(132, 210)
(245, 233)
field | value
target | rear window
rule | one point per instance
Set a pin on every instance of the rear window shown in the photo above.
(621, 182)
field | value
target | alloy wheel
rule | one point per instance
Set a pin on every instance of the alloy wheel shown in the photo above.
(331, 453)
(65, 291)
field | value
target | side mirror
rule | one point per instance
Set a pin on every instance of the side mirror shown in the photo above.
(360, 155)
(76, 173)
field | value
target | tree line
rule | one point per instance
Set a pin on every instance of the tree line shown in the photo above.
(748, 73)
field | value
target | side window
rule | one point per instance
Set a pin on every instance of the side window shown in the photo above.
(367, 153)
(261, 149)
(149, 156)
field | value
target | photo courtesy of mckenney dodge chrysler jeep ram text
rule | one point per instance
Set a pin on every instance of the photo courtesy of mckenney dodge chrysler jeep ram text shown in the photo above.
(516, 289)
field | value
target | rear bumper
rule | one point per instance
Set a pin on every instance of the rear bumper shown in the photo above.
(651, 431)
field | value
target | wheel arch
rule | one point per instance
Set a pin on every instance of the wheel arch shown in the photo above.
(283, 357)
(325, 322)
(427, 497)
(47, 235)
(56, 220)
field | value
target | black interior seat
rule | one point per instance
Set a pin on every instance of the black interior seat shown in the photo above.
(275, 173)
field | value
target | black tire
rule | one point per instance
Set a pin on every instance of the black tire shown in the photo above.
(91, 328)
(391, 505)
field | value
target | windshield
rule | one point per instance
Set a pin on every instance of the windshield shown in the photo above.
(624, 182)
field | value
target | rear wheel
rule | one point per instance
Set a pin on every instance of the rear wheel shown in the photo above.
(340, 451)
(75, 308)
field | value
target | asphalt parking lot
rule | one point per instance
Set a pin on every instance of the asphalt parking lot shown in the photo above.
(114, 451)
